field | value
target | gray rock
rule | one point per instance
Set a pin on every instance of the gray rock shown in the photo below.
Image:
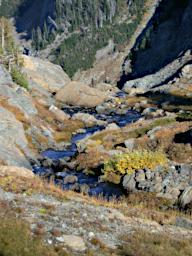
(112, 126)
(70, 179)
(13, 143)
(79, 94)
(47, 75)
(100, 109)
(129, 182)
(148, 111)
(140, 176)
(84, 188)
(183, 223)
(5, 76)
(130, 143)
(76, 243)
(186, 197)
(20, 100)
(88, 119)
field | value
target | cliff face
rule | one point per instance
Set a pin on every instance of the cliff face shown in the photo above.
(167, 36)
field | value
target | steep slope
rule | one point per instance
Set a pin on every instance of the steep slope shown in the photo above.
(167, 37)
(75, 29)
(33, 14)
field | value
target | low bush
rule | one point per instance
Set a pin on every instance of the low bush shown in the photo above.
(19, 78)
(16, 240)
(186, 116)
(133, 161)
(144, 244)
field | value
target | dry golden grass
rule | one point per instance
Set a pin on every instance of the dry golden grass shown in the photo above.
(19, 115)
(144, 244)
(141, 205)
(91, 159)
(66, 132)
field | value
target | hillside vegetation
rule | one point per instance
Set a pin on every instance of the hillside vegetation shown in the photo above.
(83, 27)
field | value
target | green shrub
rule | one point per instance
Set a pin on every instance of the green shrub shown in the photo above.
(186, 116)
(133, 161)
(19, 78)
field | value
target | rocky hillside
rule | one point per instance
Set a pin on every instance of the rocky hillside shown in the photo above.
(89, 140)
(86, 168)
(71, 32)
(166, 38)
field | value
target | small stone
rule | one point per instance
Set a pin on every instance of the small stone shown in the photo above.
(70, 179)
(148, 174)
(84, 215)
(49, 241)
(130, 143)
(140, 176)
(76, 243)
(112, 126)
(60, 239)
(91, 235)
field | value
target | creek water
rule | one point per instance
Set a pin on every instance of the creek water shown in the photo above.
(90, 183)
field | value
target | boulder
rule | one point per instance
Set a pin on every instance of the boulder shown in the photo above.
(187, 71)
(183, 223)
(112, 126)
(80, 94)
(186, 197)
(59, 114)
(70, 179)
(44, 73)
(129, 183)
(16, 172)
(75, 243)
(130, 143)
(87, 119)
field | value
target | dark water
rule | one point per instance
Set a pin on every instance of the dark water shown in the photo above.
(94, 188)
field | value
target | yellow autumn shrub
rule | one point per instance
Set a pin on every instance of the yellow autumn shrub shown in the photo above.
(133, 161)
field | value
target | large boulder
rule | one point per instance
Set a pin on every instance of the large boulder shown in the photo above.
(16, 172)
(13, 143)
(80, 94)
(45, 74)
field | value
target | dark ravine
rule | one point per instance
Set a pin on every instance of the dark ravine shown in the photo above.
(167, 36)
(33, 14)
(90, 183)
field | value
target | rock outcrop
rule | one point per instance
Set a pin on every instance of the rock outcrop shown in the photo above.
(45, 74)
(16, 172)
(80, 94)
(13, 143)
(146, 83)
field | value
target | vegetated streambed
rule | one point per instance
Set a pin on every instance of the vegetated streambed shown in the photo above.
(86, 183)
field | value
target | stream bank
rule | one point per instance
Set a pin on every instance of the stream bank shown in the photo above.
(75, 180)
